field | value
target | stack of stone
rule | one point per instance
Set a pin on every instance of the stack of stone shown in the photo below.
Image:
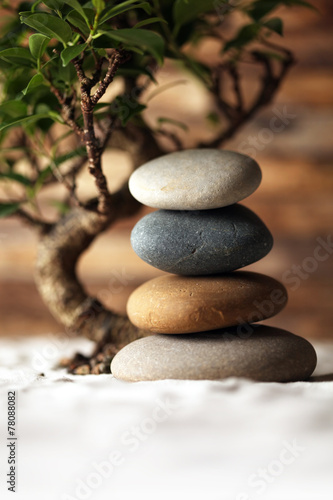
(203, 316)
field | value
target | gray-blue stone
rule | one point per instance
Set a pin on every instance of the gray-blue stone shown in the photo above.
(201, 242)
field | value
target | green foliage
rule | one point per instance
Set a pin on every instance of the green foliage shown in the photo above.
(146, 22)
(185, 11)
(23, 120)
(18, 56)
(99, 5)
(54, 4)
(13, 176)
(126, 108)
(40, 42)
(170, 121)
(123, 7)
(12, 109)
(145, 40)
(49, 25)
(8, 209)
(275, 24)
(80, 21)
(68, 54)
(79, 9)
(36, 81)
(261, 8)
(62, 207)
(245, 35)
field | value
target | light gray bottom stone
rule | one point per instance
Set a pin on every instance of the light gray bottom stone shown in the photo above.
(253, 351)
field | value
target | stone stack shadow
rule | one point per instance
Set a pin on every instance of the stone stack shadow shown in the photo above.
(203, 316)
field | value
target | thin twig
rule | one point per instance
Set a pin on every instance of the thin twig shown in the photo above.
(234, 73)
(94, 146)
(42, 225)
(173, 137)
(90, 140)
(115, 59)
(80, 72)
(269, 86)
(216, 90)
(68, 110)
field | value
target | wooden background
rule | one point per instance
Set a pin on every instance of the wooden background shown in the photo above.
(295, 199)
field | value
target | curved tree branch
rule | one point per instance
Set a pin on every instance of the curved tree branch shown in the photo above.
(60, 249)
(238, 115)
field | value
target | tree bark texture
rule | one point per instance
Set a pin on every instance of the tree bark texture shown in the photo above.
(60, 249)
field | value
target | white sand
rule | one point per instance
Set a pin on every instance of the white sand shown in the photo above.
(233, 439)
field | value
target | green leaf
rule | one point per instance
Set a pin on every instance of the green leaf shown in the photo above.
(35, 4)
(271, 55)
(245, 35)
(55, 117)
(26, 13)
(78, 8)
(152, 20)
(213, 118)
(62, 207)
(126, 108)
(23, 120)
(50, 61)
(71, 52)
(49, 25)
(124, 7)
(38, 44)
(62, 76)
(198, 69)
(13, 176)
(13, 108)
(54, 4)
(36, 81)
(99, 5)
(301, 3)
(275, 24)
(18, 55)
(177, 123)
(77, 20)
(8, 209)
(143, 39)
(80, 151)
(261, 8)
(44, 174)
(185, 11)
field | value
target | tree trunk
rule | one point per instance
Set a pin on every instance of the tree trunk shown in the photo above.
(58, 253)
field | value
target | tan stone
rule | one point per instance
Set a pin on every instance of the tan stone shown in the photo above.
(186, 304)
(257, 352)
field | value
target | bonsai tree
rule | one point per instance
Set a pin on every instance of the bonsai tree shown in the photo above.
(58, 59)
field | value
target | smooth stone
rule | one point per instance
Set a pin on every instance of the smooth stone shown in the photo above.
(201, 242)
(257, 352)
(195, 179)
(181, 304)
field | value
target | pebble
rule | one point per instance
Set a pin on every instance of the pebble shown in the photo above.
(257, 352)
(201, 242)
(188, 304)
(195, 179)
